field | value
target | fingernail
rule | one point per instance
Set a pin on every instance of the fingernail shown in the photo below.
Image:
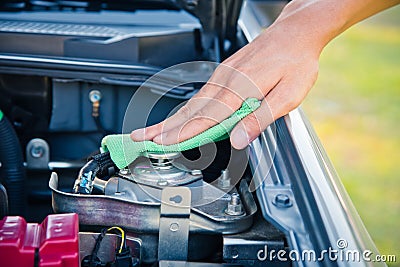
(138, 134)
(239, 139)
(158, 139)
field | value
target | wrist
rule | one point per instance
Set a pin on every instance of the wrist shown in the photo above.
(319, 21)
(312, 24)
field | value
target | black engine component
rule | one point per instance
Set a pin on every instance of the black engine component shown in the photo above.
(99, 164)
(12, 170)
(27, 101)
(3, 202)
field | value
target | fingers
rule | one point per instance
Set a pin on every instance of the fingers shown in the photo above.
(191, 107)
(229, 98)
(251, 126)
(214, 103)
(217, 101)
(221, 76)
(216, 110)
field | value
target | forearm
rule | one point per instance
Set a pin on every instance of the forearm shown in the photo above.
(317, 22)
(279, 67)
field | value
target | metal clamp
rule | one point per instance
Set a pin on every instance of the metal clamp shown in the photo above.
(174, 223)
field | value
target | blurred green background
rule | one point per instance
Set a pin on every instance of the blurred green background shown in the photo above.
(355, 110)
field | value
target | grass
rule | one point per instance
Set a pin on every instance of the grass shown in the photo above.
(355, 110)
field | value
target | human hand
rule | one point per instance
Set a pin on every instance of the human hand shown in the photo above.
(279, 67)
(273, 68)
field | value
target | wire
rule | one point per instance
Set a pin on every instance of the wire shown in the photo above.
(93, 257)
(123, 236)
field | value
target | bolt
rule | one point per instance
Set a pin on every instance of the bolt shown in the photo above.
(282, 201)
(224, 181)
(234, 254)
(37, 151)
(94, 96)
(225, 174)
(174, 227)
(235, 199)
(235, 207)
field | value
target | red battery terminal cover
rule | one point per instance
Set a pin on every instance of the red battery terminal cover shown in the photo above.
(53, 243)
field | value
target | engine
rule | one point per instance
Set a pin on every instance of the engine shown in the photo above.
(70, 78)
(171, 209)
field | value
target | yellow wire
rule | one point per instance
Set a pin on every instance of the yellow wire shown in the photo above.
(122, 236)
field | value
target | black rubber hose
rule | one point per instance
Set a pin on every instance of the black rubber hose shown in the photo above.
(3, 202)
(12, 171)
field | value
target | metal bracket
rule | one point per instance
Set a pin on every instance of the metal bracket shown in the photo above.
(174, 223)
(37, 154)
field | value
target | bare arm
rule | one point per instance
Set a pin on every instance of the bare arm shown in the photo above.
(279, 67)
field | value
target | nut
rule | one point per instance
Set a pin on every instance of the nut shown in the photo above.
(235, 207)
(234, 210)
(282, 201)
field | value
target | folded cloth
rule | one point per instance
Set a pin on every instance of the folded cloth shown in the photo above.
(123, 150)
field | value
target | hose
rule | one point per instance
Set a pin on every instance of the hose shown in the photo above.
(3, 202)
(12, 171)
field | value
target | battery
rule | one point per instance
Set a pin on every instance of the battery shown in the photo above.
(53, 243)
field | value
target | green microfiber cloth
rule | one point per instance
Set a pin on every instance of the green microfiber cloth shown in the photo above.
(123, 150)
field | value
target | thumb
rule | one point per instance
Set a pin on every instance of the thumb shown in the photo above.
(251, 126)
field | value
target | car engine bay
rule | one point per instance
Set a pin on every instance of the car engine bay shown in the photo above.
(67, 77)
